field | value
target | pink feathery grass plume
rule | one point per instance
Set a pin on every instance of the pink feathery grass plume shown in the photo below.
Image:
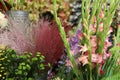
(48, 41)
(14, 37)
(21, 42)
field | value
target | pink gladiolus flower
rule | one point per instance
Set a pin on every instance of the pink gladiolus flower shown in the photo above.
(94, 50)
(93, 41)
(100, 27)
(110, 30)
(92, 28)
(83, 59)
(96, 58)
(68, 63)
(107, 44)
(95, 20)
(101, 15)
(83, 48)
(106, 55)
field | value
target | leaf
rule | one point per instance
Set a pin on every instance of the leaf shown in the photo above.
(23, 63)
(30, 78)
(19, 72)
(114, 77)
(24, 67)
(19, 67)
(28, 66)
(34, 59)
(41, 66)
(13, 55)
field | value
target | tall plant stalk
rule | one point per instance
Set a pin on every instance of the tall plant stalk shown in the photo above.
(66, 43)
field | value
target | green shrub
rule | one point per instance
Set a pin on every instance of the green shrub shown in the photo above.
(20, 67)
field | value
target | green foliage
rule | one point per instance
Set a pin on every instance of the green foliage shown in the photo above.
(113, 77)
(112, 66)
(17, 4)
(22, 67)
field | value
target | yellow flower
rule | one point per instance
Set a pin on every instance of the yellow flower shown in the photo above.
(2, 46)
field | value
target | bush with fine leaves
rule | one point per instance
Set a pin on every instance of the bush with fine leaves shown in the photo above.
(21, 67)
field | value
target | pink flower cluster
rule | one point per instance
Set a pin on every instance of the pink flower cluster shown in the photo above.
(96, 58)
(95, 41)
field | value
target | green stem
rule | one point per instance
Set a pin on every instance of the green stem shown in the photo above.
(66, 43)
(90, 57)
(85, 18)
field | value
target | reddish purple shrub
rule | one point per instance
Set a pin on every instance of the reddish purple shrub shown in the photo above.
(48, 41)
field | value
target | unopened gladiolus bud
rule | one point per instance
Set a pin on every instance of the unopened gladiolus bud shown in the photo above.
(119, 25)
(80, 36)
(118, 44)
(100, 27)
(101, 15)
(93, 41)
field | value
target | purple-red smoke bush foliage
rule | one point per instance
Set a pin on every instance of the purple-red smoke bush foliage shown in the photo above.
(48, 40)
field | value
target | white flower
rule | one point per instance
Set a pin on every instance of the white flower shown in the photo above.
(3, 21)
